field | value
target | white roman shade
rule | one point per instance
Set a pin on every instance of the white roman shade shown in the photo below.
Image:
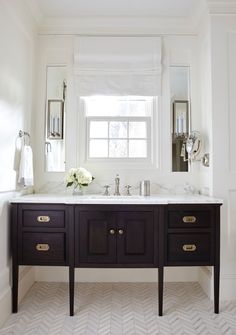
(118, 65)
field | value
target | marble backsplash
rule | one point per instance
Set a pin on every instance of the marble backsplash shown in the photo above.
(97, 187)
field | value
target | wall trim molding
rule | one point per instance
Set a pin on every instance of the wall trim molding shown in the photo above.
(117, 26)
(5, 306)
(205, 281)
(227, 284)
(222, 7)
(60, 274)
(19, 13)
(34, 10)
(27, 279)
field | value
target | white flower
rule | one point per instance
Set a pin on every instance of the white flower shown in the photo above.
(83, 176)
(78, 176)
(70, 179)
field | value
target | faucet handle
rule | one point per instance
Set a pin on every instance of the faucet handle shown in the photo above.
(106, 192)
(128, 187)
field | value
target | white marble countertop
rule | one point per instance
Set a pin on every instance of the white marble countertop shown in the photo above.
(116, 200)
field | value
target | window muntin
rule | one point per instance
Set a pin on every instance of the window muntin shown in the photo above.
(118, 127)
(117, 138)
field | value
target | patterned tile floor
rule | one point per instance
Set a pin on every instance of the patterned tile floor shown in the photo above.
(124, 308)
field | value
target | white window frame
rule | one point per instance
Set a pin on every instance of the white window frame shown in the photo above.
(153, 148)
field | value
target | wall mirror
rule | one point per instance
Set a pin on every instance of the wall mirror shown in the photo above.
(55, 119)
(180, 116)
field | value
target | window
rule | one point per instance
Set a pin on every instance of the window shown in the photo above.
(118, 127)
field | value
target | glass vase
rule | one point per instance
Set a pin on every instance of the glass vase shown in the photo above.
(78, 190)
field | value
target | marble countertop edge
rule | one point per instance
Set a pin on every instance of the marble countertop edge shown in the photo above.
(163, 199)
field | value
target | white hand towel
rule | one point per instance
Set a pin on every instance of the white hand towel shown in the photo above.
(26, 176)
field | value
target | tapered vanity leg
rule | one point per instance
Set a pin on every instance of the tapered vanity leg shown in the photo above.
(15, 277)
(162, 219)
(217, 262)
(160, 289)
(14, 250)
(72, 288)
(216, 289)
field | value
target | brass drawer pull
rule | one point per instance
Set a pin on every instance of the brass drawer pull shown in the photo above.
(43, 218)
(189, 247)
(189, 219)
(42, 247)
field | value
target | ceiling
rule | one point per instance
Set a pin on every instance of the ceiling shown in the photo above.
(129, 8)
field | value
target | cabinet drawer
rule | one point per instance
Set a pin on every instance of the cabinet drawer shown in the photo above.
(43, 218)
(189, 248)
(188, 219)
(43, 248)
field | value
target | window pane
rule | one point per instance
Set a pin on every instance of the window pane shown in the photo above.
(98, 148)
(137, 148)
(137, 130)
(118, 148)
(98, 129)
(118, 130)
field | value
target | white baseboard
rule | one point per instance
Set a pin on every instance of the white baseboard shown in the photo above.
(5, 306)
(60, 274)
(228, 287)
(227, 284)
(205, 281)
(26, 280)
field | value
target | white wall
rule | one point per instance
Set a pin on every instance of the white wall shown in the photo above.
(17, 41)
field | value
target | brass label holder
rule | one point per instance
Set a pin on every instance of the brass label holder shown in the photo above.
(43, 218)
(189, 219)
(42, 247)
(189, 247)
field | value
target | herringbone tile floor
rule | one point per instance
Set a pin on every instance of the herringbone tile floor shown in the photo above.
(124, 308)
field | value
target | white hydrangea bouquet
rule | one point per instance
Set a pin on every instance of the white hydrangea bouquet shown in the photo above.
(78, 177)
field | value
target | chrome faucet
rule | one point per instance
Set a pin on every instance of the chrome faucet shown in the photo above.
(117, 185)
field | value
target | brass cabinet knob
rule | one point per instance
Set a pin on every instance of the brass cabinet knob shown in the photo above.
(120, 231)
(43, 218)
(189, 219)
(42, 247)
(112, 231)
(189, 247)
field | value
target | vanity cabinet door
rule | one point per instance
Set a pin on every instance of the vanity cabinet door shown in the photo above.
(95, 237)
(135, 238)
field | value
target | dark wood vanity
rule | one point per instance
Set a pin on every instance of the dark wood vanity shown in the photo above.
(116, 236)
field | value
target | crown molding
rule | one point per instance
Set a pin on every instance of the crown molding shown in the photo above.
(34, 10)
(221, 7)
(19, 13)
(117, 26)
